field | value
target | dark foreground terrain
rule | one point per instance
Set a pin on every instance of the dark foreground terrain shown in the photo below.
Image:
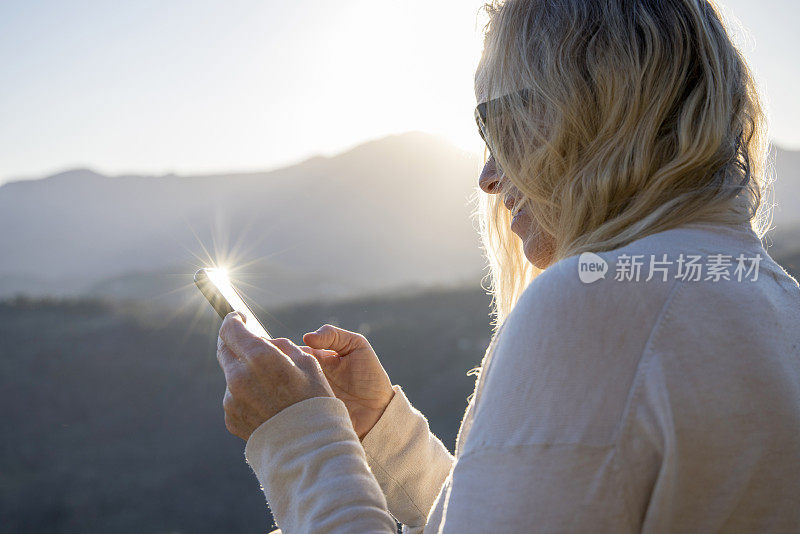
(111, 417)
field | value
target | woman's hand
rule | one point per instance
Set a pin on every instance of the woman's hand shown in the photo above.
(354, 373)
(263, 376)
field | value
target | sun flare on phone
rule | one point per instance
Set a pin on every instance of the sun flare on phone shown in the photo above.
(215, 284)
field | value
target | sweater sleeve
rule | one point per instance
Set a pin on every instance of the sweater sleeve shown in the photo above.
(314, 474)
(409, 462)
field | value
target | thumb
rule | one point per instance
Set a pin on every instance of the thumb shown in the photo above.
(334, 338)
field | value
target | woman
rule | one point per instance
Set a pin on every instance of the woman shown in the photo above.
(645, 370)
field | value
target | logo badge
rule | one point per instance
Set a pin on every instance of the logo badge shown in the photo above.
(591, 267)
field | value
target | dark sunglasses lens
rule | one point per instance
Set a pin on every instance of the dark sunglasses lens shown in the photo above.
(480, 123)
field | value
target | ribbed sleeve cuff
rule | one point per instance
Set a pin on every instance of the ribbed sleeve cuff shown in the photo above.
(397, 419)
(313, 471)
(408, 461)
(321, 417)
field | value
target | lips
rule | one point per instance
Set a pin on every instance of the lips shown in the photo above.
(511, 204)
(515, 221)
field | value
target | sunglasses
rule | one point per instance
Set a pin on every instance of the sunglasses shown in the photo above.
(495, 107)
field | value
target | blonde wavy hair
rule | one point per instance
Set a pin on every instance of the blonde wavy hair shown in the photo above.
(639, 116)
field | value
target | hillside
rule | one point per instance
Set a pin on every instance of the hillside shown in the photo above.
(389, 213)
(112, 420)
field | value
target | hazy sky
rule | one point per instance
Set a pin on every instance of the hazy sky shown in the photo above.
(197, 87)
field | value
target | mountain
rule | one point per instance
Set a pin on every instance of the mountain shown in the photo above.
(787, 189)
(390, 213)
(111, 415)
(387, 213)
(784, 237)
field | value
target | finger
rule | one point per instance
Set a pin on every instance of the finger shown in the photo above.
(334, 338)
(230, 364)
(225, 356)
(242, 342)
(290, 349)
(328, 359)
(319, 353)
(235, 427)
(232, 408)
(227, 400)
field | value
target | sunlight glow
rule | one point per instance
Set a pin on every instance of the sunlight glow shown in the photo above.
(234, 257)
(219, 277)
(280, 82)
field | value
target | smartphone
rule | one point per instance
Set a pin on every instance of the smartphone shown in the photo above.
(215, 285)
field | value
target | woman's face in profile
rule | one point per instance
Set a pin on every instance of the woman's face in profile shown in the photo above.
(536, 243)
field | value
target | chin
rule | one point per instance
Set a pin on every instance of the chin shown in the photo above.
(538, 259)
(539, 248)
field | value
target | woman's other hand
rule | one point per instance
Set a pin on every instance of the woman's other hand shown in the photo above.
(354, 373)
(263, 376)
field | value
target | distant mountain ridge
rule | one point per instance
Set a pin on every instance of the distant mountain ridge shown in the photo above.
(787, 188)
(388, 213)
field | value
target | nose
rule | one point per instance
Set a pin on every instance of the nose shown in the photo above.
(488, 181)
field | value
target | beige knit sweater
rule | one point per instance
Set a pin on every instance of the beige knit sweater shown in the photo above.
(661, 405)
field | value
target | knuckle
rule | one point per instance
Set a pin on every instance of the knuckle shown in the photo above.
(258, 364)
(303, 358)
(282, 343)
(222, 350)
(237, 383)
(228, 354)
(283, 374)
(309, 364)
(257, 348)
(227, 402)
(225, 331)
(229, 424)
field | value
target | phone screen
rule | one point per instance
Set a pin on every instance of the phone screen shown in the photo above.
(217, 288)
